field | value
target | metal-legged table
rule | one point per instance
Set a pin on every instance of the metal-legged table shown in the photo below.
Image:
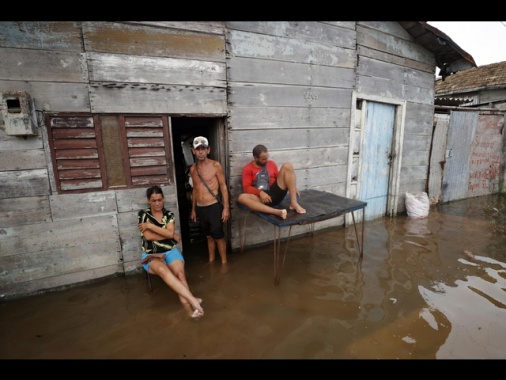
(320, 206)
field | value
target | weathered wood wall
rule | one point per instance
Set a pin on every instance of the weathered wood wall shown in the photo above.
(290, 86)
(392, 65)
(49, 240)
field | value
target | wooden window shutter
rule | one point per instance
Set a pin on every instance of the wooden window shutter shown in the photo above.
(149, 152)
(77, 161)
(101, 152)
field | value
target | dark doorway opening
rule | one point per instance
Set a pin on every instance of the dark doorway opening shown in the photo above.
(184, 130)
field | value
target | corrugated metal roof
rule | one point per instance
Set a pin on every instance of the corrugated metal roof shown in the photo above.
(452, 101)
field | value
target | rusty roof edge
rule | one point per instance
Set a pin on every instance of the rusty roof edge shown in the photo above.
(457, 108)
(454, 96)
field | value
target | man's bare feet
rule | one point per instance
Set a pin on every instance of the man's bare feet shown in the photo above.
(298, 208)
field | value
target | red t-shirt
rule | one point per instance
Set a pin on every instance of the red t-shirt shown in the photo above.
(249, 172)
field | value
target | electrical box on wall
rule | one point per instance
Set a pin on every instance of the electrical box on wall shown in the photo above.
(18, 112)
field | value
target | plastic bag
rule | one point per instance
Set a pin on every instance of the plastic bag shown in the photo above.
(262, 179)
(417, 205)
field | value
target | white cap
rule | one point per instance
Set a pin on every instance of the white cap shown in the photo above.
(201, 140)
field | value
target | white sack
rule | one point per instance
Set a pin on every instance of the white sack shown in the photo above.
(417, 205)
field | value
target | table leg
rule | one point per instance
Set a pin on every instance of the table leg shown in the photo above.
(242, 232)
(277, 250)
(363, 232)
(277, 242)
(360, 242)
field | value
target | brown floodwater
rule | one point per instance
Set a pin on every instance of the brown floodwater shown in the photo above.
(432, 288)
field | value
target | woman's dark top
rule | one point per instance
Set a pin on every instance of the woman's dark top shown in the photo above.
(158, 246)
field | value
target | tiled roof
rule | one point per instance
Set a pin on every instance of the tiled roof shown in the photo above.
(478, 78)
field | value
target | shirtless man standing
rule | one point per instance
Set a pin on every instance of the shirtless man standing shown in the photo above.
(211, 213)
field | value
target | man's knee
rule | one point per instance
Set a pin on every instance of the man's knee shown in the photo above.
(287, 166)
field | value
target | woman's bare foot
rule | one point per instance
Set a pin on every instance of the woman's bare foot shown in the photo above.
(198, 312)
(194, 311)
(282, 214)
(298, 208)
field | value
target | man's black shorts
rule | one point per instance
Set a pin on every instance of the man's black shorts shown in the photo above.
(276, 193)
(210, 220)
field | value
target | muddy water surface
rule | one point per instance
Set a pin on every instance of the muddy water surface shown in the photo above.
(431, 288)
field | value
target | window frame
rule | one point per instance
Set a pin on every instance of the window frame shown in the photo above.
(145, 147)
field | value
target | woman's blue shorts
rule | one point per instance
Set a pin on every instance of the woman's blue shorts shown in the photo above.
(170, 256)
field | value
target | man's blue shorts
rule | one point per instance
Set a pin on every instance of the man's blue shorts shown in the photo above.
(170, 256)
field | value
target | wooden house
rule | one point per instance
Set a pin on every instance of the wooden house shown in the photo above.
(93, 113)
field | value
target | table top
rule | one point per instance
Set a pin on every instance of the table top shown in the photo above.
(319, 205)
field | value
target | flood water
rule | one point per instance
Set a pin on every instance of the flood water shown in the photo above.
(431, 288)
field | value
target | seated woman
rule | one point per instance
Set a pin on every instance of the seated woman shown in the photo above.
(160, 255)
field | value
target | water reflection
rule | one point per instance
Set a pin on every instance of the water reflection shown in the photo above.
(424, 289)
(476, 314)
(416, 288)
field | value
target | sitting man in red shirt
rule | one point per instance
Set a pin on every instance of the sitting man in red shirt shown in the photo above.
(263, 191)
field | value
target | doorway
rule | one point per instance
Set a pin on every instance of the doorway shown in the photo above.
(376, 155)
(376, 134)
(183, 131)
